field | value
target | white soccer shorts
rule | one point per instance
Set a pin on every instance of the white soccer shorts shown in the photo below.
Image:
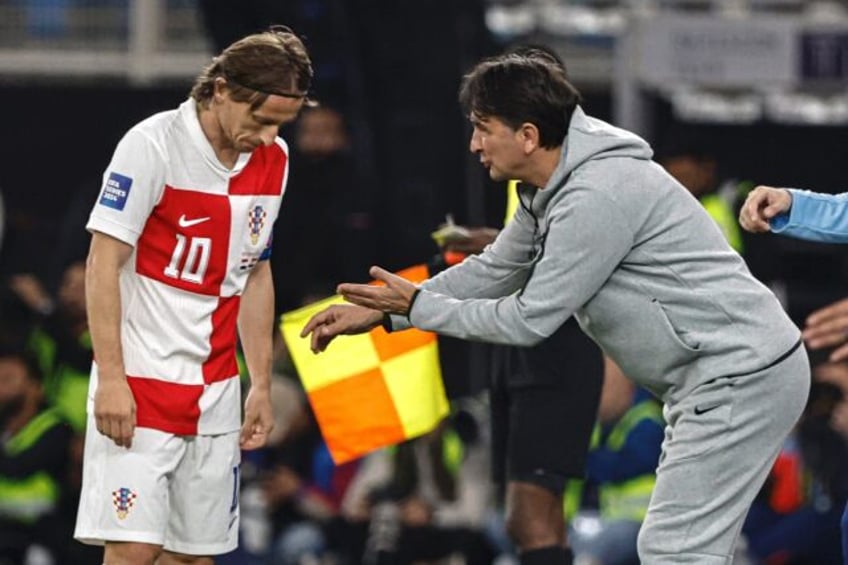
(180, 492)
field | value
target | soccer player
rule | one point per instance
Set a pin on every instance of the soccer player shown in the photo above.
(178, 266)
(605, 234)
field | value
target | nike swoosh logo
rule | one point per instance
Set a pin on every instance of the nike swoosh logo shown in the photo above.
(185, 223)
(699, 410)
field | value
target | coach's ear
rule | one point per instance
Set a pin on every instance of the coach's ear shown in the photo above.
(528, 136)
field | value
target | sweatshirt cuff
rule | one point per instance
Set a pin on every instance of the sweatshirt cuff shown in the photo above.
(387, 322)
(395, 322)
(412, 301)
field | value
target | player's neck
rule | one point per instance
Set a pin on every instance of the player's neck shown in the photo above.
(224, 150)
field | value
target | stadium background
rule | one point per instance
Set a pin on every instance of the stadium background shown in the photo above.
(763, 91)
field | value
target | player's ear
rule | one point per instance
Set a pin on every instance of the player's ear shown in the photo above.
(219, 88)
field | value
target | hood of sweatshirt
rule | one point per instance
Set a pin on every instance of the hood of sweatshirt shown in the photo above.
(590, 139)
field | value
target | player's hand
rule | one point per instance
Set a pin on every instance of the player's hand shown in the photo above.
(337, 320)
(763, 204)
(114, 410)
(258, 419)
(393, 298)
(828, 327)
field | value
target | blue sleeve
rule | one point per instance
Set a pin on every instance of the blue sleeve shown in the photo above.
(815, 217)
(266, 253)
(639, 455)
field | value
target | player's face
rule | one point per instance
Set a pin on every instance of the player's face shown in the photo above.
(498, 147)
(245, 129)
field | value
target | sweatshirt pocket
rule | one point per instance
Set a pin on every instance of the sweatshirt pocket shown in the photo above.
(682, 339)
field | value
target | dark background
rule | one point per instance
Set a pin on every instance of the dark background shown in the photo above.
(393, 70)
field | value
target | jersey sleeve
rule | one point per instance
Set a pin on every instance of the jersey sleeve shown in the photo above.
(132, 185)
(815, 217)
(266, 253)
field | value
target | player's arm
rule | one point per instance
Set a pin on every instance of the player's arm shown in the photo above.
(814, 216)
(256, 327)
(114, 406)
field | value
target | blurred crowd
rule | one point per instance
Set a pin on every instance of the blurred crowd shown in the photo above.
(425, 500)
(389, 128)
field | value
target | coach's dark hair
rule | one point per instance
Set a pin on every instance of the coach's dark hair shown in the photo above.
(256, 66)
(518, 88)
(540, 51)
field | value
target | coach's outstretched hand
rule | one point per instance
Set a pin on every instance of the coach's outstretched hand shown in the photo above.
(370, 300)
(394, 298)
(338, 320)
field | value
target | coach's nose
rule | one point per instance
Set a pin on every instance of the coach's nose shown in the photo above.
(474, 144)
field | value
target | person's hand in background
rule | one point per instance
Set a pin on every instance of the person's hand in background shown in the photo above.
(453, 238)
(828, 327)
(476, 240)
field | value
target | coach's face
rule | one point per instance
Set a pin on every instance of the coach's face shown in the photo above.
(501, 149)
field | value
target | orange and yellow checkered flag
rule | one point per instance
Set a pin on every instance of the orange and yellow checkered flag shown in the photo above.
(371, 390)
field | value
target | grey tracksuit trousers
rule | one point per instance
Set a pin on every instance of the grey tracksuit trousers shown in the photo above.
(720, 444)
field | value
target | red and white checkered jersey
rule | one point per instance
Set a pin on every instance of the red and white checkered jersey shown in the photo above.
(197, 229)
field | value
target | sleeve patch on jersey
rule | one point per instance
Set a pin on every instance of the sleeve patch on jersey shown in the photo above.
(116, 191)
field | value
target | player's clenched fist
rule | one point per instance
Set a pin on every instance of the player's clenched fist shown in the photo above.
(763, 204)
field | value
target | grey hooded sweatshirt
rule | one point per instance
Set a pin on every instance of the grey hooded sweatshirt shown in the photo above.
(615, 241)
